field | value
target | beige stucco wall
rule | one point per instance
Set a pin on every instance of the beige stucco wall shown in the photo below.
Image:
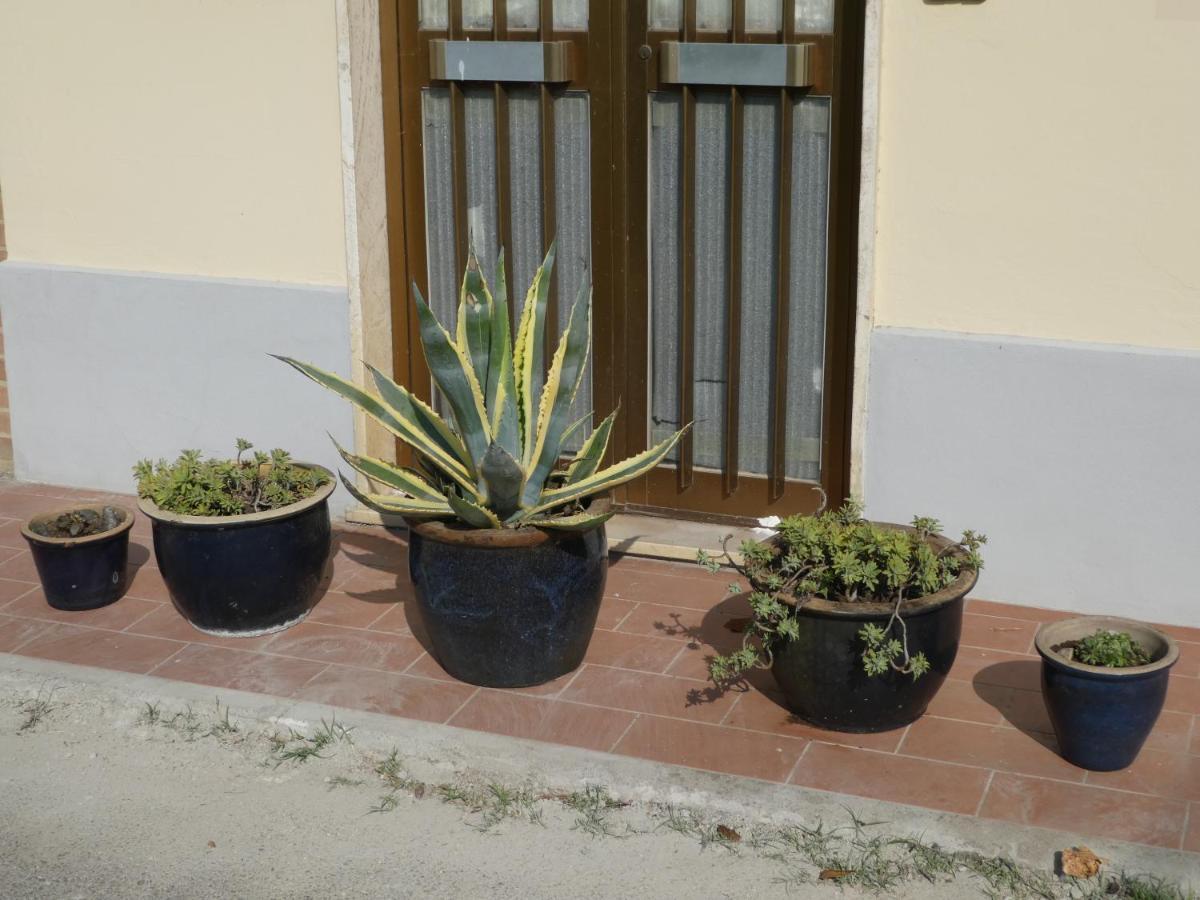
(1039, 169)
(180, 136)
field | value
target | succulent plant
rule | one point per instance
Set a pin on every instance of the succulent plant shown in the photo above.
(499, 465)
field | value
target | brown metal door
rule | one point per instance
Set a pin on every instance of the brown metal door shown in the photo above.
(741, 222)
(716, 222)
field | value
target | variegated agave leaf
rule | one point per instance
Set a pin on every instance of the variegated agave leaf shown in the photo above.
(499, 465)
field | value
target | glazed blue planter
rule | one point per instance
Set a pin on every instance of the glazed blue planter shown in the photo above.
(244, 575)
(507, 608)
(84, 572)
(821, 671)
(1102, 716)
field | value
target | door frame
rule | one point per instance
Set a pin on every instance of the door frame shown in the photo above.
(378, 273)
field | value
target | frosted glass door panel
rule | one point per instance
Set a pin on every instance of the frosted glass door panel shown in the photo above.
(758, 289)
(522, 13)
(476, 13)
(760, 277)
(433, 15)
(666, 211)
(814, 16)
(480, 115)
(570, 15)
(666, 14)
(711, 277)
(573, 217)
(714, 15)
(763, 15)
(525, 191)
(806, 290)
(439, 203)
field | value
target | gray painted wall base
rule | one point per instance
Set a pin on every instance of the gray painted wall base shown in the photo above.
(1079, 461)
(105, 368)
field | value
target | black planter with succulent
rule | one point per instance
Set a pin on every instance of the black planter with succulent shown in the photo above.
(858, 621)
(241, 543)
(507, 548)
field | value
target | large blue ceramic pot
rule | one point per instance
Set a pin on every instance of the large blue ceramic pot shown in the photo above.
(245, 575)
(511, 607)
(821, 671)
(1102, 716)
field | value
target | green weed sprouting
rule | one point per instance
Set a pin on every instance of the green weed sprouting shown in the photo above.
(194, 486)
(840, 556)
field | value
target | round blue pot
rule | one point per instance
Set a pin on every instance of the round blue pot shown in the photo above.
(508, 607)
(84, 572)
(244, 575)
(821, 671)
(1102, 716)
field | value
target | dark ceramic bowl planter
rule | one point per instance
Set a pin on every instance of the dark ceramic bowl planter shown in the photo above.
(508, 608)
(80, 573)
(245, 575)
(821, 673)
(1102, 716)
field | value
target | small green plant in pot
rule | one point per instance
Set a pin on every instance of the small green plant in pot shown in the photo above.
(859, 621)
(241, 543)
(507, 546)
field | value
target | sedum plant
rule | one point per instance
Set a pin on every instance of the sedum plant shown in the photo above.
(840, 556)
(497, 463)
(1112, 649)
(193, 486)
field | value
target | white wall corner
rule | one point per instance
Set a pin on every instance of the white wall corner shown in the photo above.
(864, 314)
(364, 190)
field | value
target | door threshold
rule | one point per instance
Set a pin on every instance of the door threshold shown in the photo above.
(633, 534)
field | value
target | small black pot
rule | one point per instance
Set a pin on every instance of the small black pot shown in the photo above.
(241, 576)
(510, 608)
(1102, 716)
(84, 572)
(821, 673)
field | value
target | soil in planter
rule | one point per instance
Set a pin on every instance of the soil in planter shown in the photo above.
(79, 523)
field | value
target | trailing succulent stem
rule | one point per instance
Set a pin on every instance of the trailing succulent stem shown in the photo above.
(839, 556)
(499, 464)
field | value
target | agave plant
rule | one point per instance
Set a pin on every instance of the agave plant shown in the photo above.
(498, 465)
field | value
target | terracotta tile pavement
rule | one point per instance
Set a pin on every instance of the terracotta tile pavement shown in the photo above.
(984, 748)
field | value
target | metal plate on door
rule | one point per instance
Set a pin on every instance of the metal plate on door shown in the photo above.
(742, 65)
(512, 61)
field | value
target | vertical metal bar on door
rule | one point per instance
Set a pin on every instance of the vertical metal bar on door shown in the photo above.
(458, 148)
(733, 345)
(503, 151)
(546, 33)
(778, 453)
(687, 300)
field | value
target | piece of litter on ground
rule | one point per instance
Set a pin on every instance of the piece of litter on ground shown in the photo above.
(1080, 862)
(834, 874)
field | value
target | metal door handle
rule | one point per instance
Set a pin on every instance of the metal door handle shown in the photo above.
(524, 61)
(742, 65)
